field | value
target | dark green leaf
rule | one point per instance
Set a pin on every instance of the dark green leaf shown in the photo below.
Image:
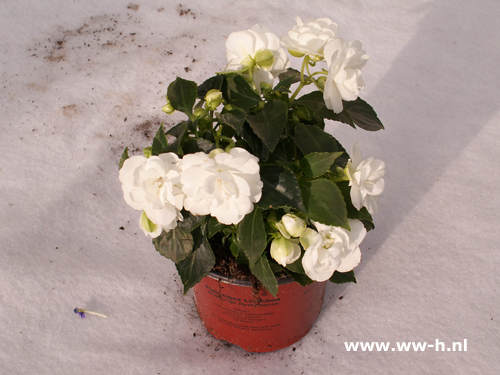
(190, 221)
(302, 279)
(234, 118)
(160, 143)
(257, 146)
(251, 235)
(213, 226)
(197, 265)
(317, 163)
(287, 79)
(269, 123)
(343, 277)
(182, 94)
(123, 158)
(213, 83)
(176, 129)
(175, 146)
(262, 271)
(296, 267)
(315, 101)
(238, 92)
(176, 244)
(312, 139)
(325, 203)
(281, 188)
(363, 115)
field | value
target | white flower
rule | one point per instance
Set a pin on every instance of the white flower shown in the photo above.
(258, 49)
(344, 80)
(331, 249)
(310, 38)
(291, 225)
(285, 251)
(153, 185)
(365, 180)
(223, 185)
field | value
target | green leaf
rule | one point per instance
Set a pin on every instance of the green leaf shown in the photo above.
(262, 271)
(160, 143)
(182, 94)
(238, 92)
(325, 203)
(197, 265)
(312, 139)
(212, 83)
(315, 101)
(235, 118)
(363, 115)
(176, 244)
(269, 123)
(123, 158)
(317, 163)
(281, 188)
(251, 235)
(343, 277)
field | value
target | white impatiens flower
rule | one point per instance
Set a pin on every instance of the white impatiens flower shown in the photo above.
(259, 50)
(365, 180)
(331, 249)
(344, 80)
(153, 185)
(310, 38)
(223, 185)
(285, 251)
(291, 225)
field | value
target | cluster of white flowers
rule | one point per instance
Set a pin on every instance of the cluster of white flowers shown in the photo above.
(327, 249)
(258, 52)
(223, 185)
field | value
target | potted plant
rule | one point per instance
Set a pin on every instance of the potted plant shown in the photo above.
(250, 188)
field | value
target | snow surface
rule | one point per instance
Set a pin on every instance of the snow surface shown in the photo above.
(80, 80)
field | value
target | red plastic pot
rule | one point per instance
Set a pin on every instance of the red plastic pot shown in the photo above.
(230, 312)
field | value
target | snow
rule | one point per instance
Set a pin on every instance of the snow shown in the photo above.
(81, 80)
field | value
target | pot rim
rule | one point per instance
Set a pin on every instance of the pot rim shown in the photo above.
(245, 283)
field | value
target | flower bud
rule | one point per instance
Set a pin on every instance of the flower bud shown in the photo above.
(296, 53)
(148, 226)
(321, 82)
(147, 151)
(291, 226)
(303, 113)
(213, 98)
(264, 59)
(168, 109)
(215, 152)
(200, 112)
(285, 251)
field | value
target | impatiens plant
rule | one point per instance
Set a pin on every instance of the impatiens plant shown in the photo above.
(251, 168)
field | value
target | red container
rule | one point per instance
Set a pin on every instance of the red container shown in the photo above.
(230, 312)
